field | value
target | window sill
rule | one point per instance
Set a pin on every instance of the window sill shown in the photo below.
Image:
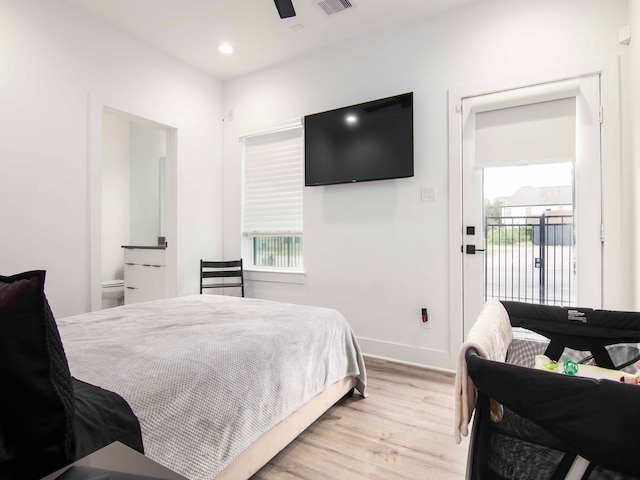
(275, 276)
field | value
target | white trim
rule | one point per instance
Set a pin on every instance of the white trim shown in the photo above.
(95, 202)
(419, 356)
(412, 364)
(283, 233)
(265, 226)
(274, 276)
(617, 288)
(535, 94)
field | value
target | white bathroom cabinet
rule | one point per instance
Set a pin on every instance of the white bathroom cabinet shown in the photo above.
(145, 274)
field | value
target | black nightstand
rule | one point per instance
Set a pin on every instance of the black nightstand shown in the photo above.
(117, 457)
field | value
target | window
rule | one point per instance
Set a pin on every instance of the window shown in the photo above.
(272, 198)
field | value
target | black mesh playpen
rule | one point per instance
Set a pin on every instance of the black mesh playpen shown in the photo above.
(559, 426)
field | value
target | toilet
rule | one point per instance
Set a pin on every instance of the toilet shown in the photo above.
(112, 293)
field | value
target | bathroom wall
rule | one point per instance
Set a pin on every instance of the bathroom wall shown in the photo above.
(115, 193)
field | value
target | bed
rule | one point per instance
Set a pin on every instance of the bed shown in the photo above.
(48, 419)
(220, 384)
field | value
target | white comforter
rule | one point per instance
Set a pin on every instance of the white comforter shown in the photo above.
(207, 375)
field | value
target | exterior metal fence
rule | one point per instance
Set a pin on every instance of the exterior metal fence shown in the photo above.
(530, 259)
(275, 251)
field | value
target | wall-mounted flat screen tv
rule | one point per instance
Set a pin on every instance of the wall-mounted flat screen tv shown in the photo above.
(368, 141)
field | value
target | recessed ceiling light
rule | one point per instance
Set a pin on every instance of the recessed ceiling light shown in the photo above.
(351, 119)
(226, 48)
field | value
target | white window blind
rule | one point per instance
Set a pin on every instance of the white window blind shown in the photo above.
(543, 132)
(273, 183)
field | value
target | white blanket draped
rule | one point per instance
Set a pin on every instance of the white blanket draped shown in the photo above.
(490, 336)
(207, 375)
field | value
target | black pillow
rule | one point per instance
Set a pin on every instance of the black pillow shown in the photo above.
(36, 404)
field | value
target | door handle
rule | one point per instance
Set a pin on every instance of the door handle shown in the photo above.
(471, 249)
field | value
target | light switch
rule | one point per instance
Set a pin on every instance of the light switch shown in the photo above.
(429, 193)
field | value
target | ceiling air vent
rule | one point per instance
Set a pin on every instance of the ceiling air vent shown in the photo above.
(334, 6)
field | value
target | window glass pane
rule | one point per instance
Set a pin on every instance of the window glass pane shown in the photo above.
(276, 251)
(529, 229)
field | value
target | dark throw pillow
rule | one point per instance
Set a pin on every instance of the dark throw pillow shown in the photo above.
(36, 403)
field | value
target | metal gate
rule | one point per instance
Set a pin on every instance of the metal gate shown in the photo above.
(530, 259)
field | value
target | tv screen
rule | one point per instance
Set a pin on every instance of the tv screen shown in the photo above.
(368, 141)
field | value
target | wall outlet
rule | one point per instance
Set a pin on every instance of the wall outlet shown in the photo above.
(425, 318)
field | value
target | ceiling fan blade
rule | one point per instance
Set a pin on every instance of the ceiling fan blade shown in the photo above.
(285, 8)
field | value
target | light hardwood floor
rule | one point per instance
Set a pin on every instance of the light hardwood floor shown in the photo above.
(402, 430)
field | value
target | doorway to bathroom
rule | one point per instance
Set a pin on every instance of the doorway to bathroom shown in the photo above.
(133, 203)
(132, 165)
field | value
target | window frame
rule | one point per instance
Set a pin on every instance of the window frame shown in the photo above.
(263, 272)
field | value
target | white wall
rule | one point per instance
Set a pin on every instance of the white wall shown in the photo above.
(53, 58)
(115, 194)
(633, 134)
(373, 250)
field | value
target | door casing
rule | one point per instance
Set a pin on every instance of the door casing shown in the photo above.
(587, 186)
(608, 69)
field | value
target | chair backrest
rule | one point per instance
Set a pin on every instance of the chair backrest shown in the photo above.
(215, 274)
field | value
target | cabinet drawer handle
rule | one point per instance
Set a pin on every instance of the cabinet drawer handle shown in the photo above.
(132, 288)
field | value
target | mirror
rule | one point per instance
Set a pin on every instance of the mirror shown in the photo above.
(148, 146)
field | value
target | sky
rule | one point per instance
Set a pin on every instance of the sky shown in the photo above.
(504, 181)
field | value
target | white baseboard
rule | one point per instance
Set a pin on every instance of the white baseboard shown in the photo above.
(422, 357)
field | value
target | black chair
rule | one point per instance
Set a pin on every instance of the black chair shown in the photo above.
(215, 274)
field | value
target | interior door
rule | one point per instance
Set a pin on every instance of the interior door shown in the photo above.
(525, 128)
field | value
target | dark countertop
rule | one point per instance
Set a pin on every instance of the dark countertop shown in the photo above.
(148, 247)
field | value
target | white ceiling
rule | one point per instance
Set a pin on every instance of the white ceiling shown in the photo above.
(191, 30)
